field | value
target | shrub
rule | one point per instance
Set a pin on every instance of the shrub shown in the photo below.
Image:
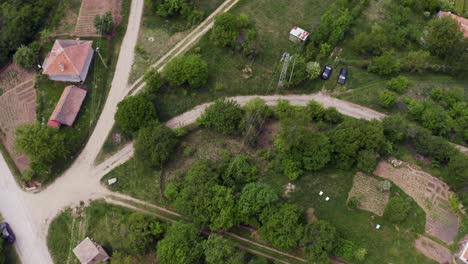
(395, 128)
(254, 198)
(387, 99)
(344, 249)
(398, 84)
(239, 171)
(443, 38)
(155, 144)
(353, 202)
(454, 203)
(360, 254)
(133, 113)
(397, 210)
(191, 70)
(104, 23)
(234, 32)
(300, 71)
(367, 161)
(319, 241)
(385, 186)
(386, 64)
(26, 56)
(153, 80)
(224, 116)
(313, 70)
(331, 115)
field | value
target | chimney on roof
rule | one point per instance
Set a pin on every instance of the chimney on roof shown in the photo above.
(62, 66)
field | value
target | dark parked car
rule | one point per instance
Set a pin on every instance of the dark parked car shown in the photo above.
(7, 233)
(327, 71)
(343, 76)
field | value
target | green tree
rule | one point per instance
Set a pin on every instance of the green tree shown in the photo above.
(398, 84)
(27, 56)
(367, 160)
(143, 232)
(133, 113)
(319, 241)
(168, 8)
(397, 210)
(395, 128)
(239, 171)
(180, 245)
(224, 116)
(233, 31)
(386, 64)
(155, 144)
(437, 120)
(443, 37)
(256, 113)
(42, 144)
(153, 80)
(313, 70)
(387, 99)
(282, 226)
(191, 70)
(219, 250)
(121, 258)
(299, 73)
(458, 171)
(104, 23)
(416, 61)
(254, 198)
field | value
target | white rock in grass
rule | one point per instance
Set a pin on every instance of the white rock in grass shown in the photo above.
(327, 198)
(320, 193)
(112, 181)
(377, 227)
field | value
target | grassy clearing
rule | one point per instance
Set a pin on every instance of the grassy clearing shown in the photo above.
(104, 223)
(110, 146)
(166, 33)
(391, 242)
(273, 23)
(65, 17)
(98, 83)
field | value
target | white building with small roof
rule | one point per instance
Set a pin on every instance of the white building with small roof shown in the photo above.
(298, 35)
(90, 252)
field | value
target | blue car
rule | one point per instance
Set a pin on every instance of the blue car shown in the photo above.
(7, 233)
(327, 71)
(343, 76)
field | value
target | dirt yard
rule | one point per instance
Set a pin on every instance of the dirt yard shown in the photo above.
(88, 12)
(433, 250)
(366, 189)
(17, 107)
(429, 192)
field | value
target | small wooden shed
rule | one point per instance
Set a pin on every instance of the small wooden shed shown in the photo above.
(90, 252)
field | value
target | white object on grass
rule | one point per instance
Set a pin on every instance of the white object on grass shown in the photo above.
(112, 181)
(327, 198)
(377, 226)
(320, 193)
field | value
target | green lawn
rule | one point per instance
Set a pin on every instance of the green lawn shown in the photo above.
(395, 245)
(272, 23)
(98, 83)
(104, 223)
(166, 33)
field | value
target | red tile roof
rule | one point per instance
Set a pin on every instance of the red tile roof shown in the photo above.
(67, 57)
(463, 22)
(67, 107)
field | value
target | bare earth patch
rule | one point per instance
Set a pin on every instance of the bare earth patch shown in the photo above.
(17, 107)
(433, 250)
(366, 189)
(88, 12)
(430, 193)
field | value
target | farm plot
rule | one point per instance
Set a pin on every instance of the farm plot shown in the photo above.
(430, 194)
(88, 12)
(433, 250)
(366, 189)
(17, 107)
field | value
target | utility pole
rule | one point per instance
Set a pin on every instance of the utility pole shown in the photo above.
(285, 59)
(99, 53)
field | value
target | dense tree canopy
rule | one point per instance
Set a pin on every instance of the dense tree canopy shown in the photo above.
(443, 37)
(133, 113)
(155, 144)
(386, 64)
(282, 226)
(256, 114)
(42, 144)
(233, 31)
(239, 171)
(395, 128)
(153, 80)
(143, 232)
(397, 210)
(191, 70)
(254, 198)
(219, 250)
(319, 241)
(27, 56)
(224, 116)
(180, 245)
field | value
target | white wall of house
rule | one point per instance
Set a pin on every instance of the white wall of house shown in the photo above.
(65, 78)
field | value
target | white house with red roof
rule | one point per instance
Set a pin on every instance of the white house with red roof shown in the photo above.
(69, 60)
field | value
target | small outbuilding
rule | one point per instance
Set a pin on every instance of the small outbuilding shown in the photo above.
(68, 107)
(69, 60)
(298, 35)
(90, 252)
(461, 255)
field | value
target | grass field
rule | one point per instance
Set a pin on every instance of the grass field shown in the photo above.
(158, 35)
(98, 83)
(272, 23)
(104, 223)
(393, 243)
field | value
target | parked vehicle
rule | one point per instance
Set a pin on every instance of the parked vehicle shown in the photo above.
(327, 71)
(7, 233)
(343, 76)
